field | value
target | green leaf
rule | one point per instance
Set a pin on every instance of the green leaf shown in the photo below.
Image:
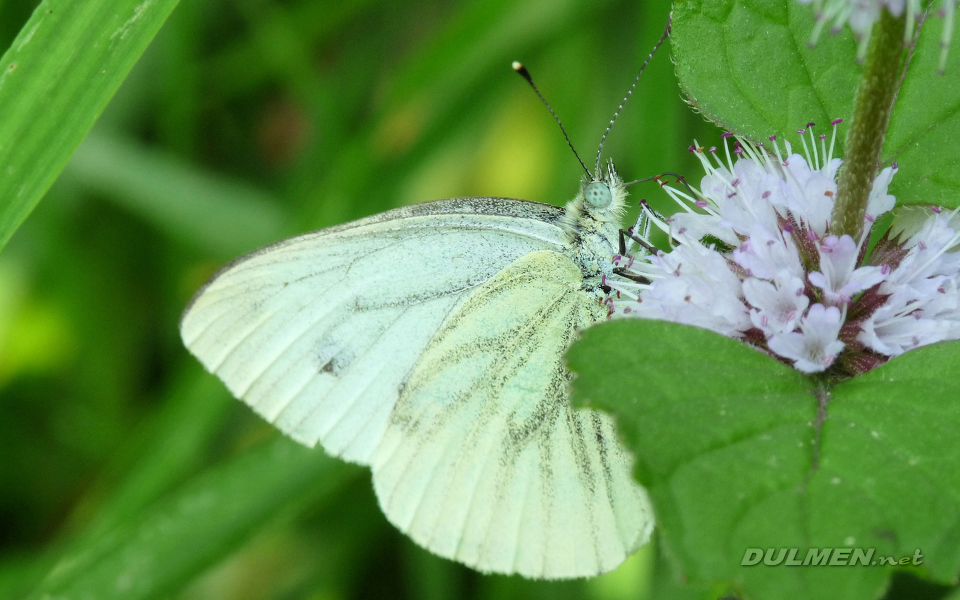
(668, 584)
(953, 596)
(925, 126)
(163, 547)
(746, 65)
(719, 430)
(55, 79)
(891, 440)
(723, 438)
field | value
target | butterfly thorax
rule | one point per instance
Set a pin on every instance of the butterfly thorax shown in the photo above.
(592, 225)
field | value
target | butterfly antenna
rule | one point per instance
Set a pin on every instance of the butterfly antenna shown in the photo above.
(522, 70)
(663, 37)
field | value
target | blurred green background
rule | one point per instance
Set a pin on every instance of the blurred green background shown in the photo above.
(247, 121)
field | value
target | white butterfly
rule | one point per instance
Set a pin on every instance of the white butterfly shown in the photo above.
(427, 342)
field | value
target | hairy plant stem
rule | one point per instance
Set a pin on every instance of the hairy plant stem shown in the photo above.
(871, 115)
(823, 398)
(822, 395)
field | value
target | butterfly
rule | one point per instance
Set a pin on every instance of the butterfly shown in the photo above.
(427, 343)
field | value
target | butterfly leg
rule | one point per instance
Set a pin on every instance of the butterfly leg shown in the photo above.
(629, 234)
(622, 271)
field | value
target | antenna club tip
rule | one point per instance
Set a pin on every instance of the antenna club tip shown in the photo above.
(517, 65)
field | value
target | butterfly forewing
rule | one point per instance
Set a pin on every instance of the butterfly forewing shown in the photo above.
(484, 460)
(318, 332)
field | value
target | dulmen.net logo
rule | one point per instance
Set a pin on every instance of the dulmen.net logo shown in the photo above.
(824, 557)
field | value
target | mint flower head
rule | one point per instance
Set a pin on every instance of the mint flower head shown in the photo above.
(752, 257)
(862, 14)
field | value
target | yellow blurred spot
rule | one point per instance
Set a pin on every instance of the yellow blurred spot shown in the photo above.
(34, 335)
(629, 581)
(511, 157)
(443, 175)
(515, 157)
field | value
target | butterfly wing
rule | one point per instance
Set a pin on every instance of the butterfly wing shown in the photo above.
(484, 461)
(317, 332)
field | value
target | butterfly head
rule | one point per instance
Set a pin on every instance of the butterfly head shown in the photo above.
(598, 206)
(602, 197)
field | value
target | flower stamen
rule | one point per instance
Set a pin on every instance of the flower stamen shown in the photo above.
(752, 257)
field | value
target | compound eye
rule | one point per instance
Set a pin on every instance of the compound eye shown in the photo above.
(598, 194)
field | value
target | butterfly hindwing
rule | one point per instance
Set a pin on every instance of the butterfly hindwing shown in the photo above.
(318, 332)
(485, 461)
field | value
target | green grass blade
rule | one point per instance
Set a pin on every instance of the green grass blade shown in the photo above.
(219, 215)
(165, 546)
(169, 446)
(55, 80)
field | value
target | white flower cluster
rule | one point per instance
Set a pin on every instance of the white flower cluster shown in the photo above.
(862, 14)
(752, 257)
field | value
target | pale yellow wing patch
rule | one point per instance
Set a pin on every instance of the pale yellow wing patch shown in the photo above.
(483, 459)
